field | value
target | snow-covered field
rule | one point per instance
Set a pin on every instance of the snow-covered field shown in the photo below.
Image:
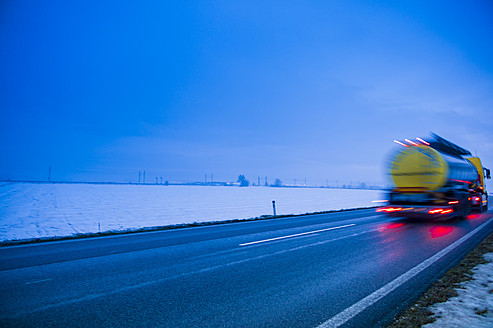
(33, 210)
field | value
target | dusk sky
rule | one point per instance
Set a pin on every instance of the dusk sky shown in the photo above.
(100, 90)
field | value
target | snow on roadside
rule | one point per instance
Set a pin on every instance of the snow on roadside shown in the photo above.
(34, 210)
(474, 305)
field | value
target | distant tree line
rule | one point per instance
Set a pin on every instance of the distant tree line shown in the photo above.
(243, 181)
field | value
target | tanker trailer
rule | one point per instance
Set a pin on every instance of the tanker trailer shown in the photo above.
(434, 179)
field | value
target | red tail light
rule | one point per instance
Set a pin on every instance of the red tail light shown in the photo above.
(389, 209)
(440, 211)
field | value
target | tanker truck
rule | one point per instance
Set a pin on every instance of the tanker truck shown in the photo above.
(435, 179)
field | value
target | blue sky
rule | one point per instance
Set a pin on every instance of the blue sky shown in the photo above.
(292, 89)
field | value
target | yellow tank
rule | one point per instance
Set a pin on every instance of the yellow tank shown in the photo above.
(479, 167)
(424, 168)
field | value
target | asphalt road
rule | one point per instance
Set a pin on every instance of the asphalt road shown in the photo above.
(355, 269)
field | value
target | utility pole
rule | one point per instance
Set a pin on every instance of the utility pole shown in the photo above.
(144, 176)
(266, 181)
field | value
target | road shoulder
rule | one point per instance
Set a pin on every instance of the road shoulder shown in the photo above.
(445, 288)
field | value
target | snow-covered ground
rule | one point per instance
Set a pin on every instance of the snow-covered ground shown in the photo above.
(33, 210)
(474, 305)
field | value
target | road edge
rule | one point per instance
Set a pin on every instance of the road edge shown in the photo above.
(14, 242)
(443, 289)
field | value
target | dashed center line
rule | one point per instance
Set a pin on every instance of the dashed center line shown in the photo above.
(37, 281)
(296, 235)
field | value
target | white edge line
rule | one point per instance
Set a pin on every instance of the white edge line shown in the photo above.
(295, 235)
(360, 306)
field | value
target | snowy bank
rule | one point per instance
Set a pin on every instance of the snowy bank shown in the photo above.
(474, 305)
(36, 210)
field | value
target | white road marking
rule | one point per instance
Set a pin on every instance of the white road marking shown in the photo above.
(352, 311)
(295, 235)
(185, 274)
(37, 281)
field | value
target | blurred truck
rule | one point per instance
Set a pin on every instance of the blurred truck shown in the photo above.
(435, 179)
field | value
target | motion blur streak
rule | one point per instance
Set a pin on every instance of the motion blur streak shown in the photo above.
(424, 142)
(411, 142)
(400, 143)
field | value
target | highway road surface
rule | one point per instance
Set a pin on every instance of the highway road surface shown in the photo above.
(351, 269)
